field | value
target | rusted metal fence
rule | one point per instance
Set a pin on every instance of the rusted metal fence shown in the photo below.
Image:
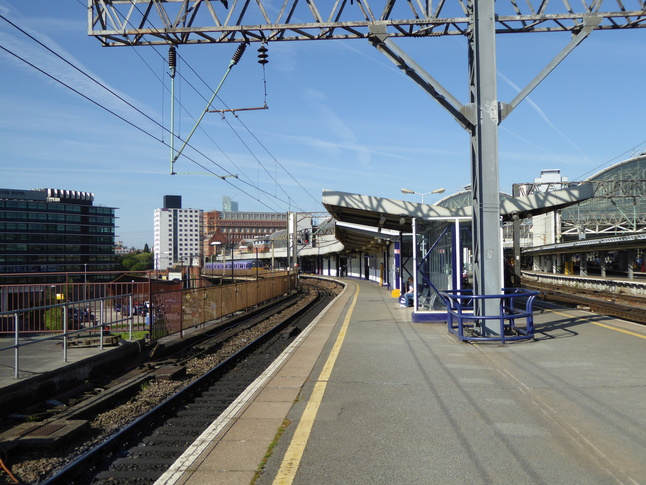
(128, 305)
(175, 311)
(55, 314)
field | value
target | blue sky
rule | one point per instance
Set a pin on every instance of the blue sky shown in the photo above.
(340, 117)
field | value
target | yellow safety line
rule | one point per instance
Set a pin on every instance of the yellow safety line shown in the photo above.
(602, 325)
(292, 458)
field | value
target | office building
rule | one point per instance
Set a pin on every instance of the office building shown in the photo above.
(53, 230)
(229, 205)
(177, 235)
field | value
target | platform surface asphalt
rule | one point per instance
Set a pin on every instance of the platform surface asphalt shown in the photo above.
(366, 396)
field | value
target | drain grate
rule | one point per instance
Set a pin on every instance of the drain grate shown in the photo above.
(42, 430)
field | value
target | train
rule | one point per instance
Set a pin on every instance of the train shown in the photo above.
(226, 265)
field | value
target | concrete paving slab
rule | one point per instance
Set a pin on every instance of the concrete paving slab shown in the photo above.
(248, 428)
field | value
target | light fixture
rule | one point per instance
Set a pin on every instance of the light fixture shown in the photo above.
(436, 191)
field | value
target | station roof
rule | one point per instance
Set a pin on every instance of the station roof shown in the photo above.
(379, 216)
(587, 245)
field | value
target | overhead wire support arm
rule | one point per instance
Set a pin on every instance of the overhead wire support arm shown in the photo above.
(233, 110)
(262, 60)
(589, 24)
(234, 60)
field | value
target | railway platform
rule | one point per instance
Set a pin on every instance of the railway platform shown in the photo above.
(367, 396)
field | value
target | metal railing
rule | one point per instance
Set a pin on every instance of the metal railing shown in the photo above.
(515, 320)
(164, 313)
(34, 301)
(66, 320)
(176, 311)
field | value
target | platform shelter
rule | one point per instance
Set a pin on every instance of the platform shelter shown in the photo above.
(441, 239)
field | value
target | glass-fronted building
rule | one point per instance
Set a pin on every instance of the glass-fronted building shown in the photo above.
(53, 230)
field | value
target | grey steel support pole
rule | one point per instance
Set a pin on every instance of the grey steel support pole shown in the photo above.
(630, 255)
(16, 350)
(294, 240)
(131, 311)
(101, 327)
(272, 255)
(172, 56)
(66, 312)
(487, 251)
(517, 269)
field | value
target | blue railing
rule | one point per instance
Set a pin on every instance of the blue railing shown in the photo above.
(514, 321)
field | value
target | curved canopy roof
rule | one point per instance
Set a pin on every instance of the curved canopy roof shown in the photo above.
(379, 216)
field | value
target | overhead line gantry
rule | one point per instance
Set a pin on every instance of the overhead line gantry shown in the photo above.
(174, 22)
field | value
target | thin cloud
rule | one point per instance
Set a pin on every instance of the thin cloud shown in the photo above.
(338, 127)
(544, 117)
(30, 51)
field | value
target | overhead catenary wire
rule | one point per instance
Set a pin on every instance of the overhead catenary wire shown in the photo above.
(134, 5)
(596, 169)
(129, 122)
(289, 202)
(262, 60)
(234, 60)
(208, 172)
(316, 201)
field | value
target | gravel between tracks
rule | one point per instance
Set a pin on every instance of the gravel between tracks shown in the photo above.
(32, 468)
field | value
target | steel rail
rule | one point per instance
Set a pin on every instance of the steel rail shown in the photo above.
(624, 311)
(79, 466)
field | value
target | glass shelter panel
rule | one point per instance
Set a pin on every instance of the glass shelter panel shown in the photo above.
(441, 248)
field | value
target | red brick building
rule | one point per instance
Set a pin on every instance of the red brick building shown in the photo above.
(229, 229)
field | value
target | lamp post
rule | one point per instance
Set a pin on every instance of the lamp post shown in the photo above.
(216, 244)
(436, 191)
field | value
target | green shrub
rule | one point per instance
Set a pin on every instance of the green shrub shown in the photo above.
(54, 319)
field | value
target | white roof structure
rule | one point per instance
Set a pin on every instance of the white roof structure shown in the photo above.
(379, 216)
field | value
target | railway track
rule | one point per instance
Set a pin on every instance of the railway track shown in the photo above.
(140, 451)
(626, 307)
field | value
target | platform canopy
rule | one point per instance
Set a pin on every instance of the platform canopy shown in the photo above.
(383, 218)
(365, 238)
(614, 243)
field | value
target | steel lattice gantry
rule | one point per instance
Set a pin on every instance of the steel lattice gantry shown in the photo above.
(166, 22)
(172, 22)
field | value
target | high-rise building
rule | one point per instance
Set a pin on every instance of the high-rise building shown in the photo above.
(229, 205)
(177, 235)
(53, 230)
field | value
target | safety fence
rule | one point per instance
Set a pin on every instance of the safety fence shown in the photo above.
(42, 308)
(514, 320)
(132, 308)
(176, 311)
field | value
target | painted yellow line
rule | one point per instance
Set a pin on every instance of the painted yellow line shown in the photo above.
(601, 324)
(292, 458)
